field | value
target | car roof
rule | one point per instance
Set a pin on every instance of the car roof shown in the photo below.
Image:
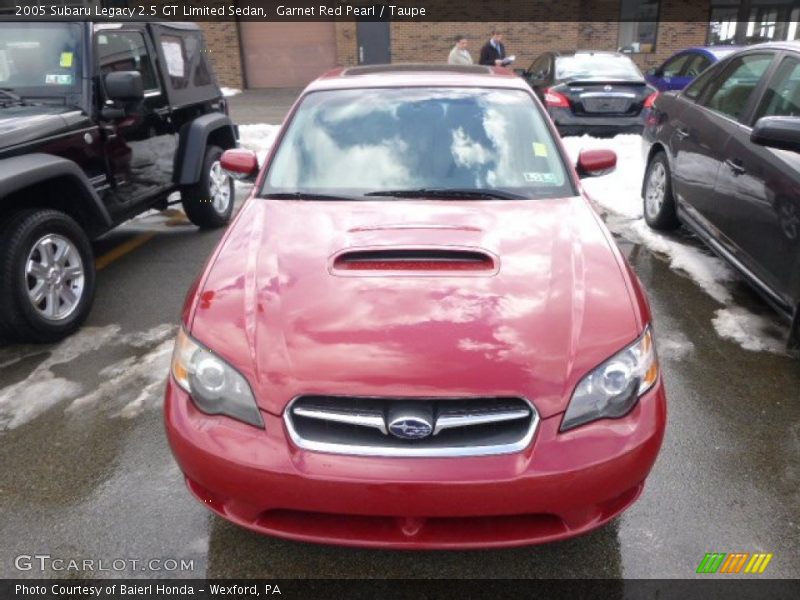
(417, 75)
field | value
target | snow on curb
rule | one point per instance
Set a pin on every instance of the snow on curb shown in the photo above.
(228, 92)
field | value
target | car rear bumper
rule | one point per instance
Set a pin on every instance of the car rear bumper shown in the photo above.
(568, 123)
(561, 486)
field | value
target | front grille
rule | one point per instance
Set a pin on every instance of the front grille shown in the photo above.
(411, 427)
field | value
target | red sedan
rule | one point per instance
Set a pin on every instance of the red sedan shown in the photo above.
(417, 333)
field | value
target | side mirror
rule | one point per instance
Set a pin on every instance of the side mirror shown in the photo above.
(653, 72)
(592, 163)
(777, 132)
(240, 163)
(124, 86)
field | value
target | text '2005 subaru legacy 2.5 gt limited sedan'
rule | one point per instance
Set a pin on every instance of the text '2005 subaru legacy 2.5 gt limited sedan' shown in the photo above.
(417, 333)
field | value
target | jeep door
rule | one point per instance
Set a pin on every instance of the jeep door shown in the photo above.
(140, 138)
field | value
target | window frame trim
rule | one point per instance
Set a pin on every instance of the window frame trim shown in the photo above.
(747, 110)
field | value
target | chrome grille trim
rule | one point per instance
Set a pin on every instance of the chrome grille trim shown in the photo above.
(411, 452)
(350, 418)
(478, 418)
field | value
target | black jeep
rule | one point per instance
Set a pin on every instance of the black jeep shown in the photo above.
(98, 123)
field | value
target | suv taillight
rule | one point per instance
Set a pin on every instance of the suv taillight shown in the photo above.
(555, 99)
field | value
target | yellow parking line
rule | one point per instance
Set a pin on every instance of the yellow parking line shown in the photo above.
(103, 261)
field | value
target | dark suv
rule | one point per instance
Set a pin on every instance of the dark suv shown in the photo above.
(98, 123)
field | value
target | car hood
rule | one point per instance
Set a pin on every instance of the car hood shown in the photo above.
(22, 123)
(552, 303)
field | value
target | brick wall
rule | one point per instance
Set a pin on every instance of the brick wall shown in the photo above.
(222, 40)
(346, 46)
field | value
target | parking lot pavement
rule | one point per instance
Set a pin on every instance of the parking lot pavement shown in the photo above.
(88, 473)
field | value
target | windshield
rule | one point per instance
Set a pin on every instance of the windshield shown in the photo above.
(40, 59)
(352, 143)
(610, 67)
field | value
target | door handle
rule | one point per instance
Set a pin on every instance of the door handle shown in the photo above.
(736, 166)
(682, 133)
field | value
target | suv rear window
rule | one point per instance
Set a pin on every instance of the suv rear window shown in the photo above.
(355, 142)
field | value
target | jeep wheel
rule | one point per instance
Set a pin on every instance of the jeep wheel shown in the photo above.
(209, 202)
(47, 276)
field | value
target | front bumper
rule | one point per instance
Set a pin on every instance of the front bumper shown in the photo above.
(568, 123)
(562, 485)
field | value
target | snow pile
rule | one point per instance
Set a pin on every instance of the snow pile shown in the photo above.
(707, 271)
(42, 389)
(228, 92)
(752, 332)
(621, 190)
(258, 138)
(126, 388)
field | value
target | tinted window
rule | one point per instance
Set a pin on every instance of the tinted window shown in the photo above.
(782, 98)
(698, 64)
(673, 67)
(730, 94)
(610, 67)
(125, 51)
(352, 142)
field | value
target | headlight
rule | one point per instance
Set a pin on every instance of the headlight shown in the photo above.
(613, 388)
(215, 386)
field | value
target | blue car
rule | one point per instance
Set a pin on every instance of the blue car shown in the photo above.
(681, 68)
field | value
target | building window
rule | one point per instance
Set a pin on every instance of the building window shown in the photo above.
(638, 25)
(752, 21)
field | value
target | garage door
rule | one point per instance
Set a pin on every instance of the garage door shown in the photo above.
(286, 54)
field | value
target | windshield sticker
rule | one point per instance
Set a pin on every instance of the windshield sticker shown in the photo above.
(5, 71)
(57, 79)
(539, 149)
(546, 178)
(66, 60)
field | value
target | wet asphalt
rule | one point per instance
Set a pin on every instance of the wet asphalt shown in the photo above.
(87, 473)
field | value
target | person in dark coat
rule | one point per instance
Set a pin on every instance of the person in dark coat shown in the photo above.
(493, 52)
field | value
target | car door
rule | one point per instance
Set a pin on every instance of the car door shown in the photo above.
(702, 130)
(140, 139)
(758, 189)
(540, 74)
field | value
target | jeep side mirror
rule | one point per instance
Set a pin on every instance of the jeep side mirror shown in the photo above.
(124, 86)
(777, 132)
(592, 163)
(240, 163)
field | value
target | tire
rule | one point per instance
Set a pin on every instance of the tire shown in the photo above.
(209, 202)
(47, 276)
(659, 203)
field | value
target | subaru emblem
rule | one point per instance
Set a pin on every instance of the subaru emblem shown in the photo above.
(608, 88)
(410, 428)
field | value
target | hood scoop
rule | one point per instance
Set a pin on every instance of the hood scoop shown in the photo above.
(437, 261)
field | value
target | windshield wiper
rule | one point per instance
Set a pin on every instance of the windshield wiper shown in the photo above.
(452, 193)
(304, 196)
